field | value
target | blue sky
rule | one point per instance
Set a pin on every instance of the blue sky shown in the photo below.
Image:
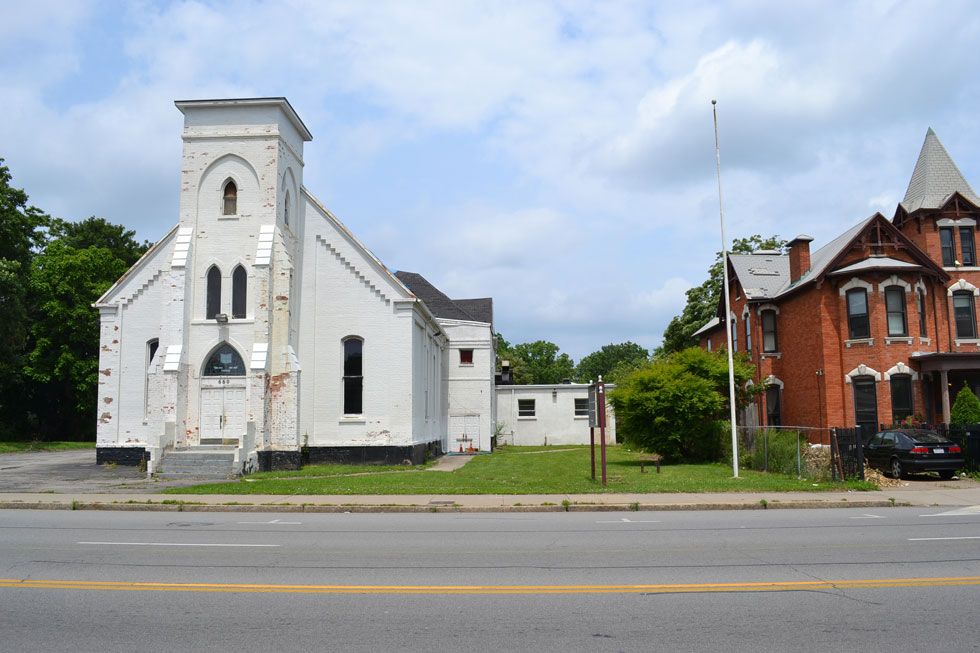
(556, 156)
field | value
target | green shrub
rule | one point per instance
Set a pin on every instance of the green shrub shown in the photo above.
(777, 451)
(966, 408)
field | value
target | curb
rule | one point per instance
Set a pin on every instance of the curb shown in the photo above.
(440, 508)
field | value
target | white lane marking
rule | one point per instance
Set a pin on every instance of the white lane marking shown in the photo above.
(957, 512)
(177, 544)
(867, 517)
(277, 522)
(933, 539)
(625, 520)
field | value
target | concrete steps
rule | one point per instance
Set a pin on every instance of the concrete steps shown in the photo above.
(204, 462)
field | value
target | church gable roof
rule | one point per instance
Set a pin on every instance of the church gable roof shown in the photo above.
(935, 178)
(139, 275)
(467, 310)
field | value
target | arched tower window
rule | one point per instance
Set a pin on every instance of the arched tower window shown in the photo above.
(225, 361)
(230, 197)
(353, 376)
(152, 345)
(239, 284)
(285, 209)
(214, 293)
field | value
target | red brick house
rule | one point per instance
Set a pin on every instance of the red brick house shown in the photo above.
(878, 324)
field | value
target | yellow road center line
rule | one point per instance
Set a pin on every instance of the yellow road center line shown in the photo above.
(781, 586)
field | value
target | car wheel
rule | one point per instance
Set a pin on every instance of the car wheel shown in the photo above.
(896, 468)
(946, 474)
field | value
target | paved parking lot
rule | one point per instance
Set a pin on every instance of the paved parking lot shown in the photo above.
(72, 471)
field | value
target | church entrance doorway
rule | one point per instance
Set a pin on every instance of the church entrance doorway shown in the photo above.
(223, 397)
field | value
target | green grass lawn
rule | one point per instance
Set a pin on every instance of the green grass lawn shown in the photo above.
(25, 447)
(518, 470)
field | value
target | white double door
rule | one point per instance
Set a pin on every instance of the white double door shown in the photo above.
(223, 410)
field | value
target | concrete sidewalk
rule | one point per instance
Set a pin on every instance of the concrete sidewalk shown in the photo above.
(940, 495)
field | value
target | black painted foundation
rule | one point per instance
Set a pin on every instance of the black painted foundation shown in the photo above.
(129, 456)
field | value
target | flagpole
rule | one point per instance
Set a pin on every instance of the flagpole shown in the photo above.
(724, 292)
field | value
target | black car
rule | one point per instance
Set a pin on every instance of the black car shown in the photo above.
(900, 451)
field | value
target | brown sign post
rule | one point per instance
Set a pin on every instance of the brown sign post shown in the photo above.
(597, 418)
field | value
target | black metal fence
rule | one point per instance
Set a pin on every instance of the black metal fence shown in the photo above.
(968, 437)
(847, 453)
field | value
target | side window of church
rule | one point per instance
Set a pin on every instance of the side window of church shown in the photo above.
(353, 376)
(239, 283)
(214, 293)
(465, 356)
(230, 199)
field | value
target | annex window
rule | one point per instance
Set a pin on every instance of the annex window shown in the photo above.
(964, 314)
(230, 199)
(857, 314)
(525, 407)
(225, 361)
(895, 308)
(921, 295)
(214, 293)
(773, 410)
(770, 343)
(353, 376)
(465, 356)
(239, 285)
(967, 247)
(901, 385)
(581, 407)
(946, 244)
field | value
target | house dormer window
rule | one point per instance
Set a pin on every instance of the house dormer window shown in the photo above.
(946, 244)
(895, 308)
(967, 247)
(230, 199)
(857, 314)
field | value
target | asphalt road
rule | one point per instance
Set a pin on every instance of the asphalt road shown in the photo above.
(745, 580)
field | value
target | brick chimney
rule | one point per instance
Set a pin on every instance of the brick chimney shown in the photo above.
(799, 257)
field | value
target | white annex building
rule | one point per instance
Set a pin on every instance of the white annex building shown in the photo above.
(260, 332)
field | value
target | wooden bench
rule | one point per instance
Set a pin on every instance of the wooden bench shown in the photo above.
(654, 458)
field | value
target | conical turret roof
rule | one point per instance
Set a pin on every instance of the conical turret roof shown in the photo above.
(935, 178)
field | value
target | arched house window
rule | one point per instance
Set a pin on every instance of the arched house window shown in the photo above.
(213, 293)
(229, 196)
(239, 287)
(353, 375)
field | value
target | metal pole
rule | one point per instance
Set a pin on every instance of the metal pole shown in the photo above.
(601, 400)
(724, 292)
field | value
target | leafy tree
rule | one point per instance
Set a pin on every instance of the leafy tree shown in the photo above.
(676, 405)
(75, 268)
(702, 301)
(966, 408)
(534, 362)
(21, 234)
(612, 362)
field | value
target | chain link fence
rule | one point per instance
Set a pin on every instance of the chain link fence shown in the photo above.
(819, 454)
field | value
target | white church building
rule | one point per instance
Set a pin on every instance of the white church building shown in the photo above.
(260, 331)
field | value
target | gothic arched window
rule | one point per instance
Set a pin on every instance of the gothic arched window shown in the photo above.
(239, 283)
(230, 197)
(225, 361)
(214, 293)
(285, 209)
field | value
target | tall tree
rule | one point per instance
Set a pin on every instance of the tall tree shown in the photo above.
(535, 362)
(22, 232)
(702, 301)
(75, 268)
(612, 362)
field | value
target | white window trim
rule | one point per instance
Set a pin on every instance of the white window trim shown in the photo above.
(855, 283)
(773, 380)
(859, 341)
(962, 284)
(862, 370)
(894, 281)
(901, 368)
(962, 222)
(766, 307)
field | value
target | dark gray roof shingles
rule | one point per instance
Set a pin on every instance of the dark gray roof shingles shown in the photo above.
(469, 310)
